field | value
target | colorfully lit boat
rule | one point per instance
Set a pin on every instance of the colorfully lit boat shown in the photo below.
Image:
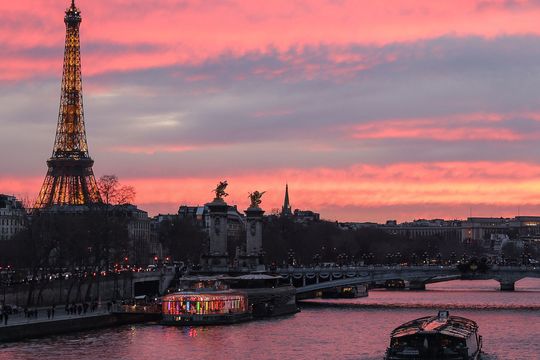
(436, 337)
(206, 302)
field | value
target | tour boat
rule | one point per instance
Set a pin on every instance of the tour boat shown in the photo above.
(207, 301)
(436, 337)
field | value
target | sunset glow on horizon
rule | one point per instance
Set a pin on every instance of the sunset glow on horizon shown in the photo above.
(369, 110)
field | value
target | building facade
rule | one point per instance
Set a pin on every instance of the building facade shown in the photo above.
(236, 223)
(480, 229)
(12, 217)
(140, 234)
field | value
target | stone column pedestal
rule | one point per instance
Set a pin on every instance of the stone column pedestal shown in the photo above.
(254, 230)
(253, 256)
(217, 257)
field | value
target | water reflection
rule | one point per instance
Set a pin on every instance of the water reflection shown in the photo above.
(358, 331)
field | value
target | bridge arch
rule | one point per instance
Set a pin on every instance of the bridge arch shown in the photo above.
(315, 279)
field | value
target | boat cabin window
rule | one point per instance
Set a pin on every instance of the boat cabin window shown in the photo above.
(429, 343)
(203, 304)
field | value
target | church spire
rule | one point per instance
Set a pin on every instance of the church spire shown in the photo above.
(286, 209)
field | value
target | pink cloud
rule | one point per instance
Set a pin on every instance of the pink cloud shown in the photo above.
(193, 31)
(436, 186)
(460, 127)
(424, 189)
(149, 150)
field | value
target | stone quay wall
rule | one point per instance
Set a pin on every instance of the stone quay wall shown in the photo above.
(36, 329)
(62, 291)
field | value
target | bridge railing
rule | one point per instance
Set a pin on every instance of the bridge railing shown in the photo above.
(371, 268)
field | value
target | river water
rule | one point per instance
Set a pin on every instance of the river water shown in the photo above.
(326, 329)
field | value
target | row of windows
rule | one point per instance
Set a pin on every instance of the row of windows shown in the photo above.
(11, 222)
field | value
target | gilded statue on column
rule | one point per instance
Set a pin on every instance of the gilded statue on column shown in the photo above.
(220, 190)
(255, 198)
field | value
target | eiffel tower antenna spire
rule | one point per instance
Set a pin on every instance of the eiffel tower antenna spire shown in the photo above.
(70, 179)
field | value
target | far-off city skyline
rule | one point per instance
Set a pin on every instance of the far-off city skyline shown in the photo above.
(369, 111)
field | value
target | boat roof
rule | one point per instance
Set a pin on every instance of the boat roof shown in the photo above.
(454, 326)
(202, 294)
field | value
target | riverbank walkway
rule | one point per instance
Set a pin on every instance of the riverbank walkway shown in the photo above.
(60, 315)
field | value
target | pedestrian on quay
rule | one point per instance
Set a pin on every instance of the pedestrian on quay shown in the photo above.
(5, 317)
(67, 309)
(1, 316)
(79, 309)
(109, 306)
(49, 314)
(85, 308)
(52, 310)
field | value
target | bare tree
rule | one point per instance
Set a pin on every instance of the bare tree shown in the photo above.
(27, 202)
(125, 195)
(113, 193)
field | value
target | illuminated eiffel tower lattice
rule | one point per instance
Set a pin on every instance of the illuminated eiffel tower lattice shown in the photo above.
(70, 179)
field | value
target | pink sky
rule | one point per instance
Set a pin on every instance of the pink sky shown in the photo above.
(370, 110)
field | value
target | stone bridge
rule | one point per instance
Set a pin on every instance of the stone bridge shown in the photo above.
(151, 282)
(318, 278)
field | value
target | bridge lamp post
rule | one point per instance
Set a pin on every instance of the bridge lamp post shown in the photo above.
(317, 259)
(414, 258)
(524, 258)
(291, 257)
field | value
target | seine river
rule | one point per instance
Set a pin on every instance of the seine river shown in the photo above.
(338, 329)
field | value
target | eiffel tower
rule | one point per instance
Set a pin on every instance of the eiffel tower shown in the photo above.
(70, 179)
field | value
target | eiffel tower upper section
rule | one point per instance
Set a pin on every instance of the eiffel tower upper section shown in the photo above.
(70, 179)
(70, 139)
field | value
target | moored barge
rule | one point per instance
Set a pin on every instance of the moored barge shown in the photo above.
(207, 302)
(436, 337)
